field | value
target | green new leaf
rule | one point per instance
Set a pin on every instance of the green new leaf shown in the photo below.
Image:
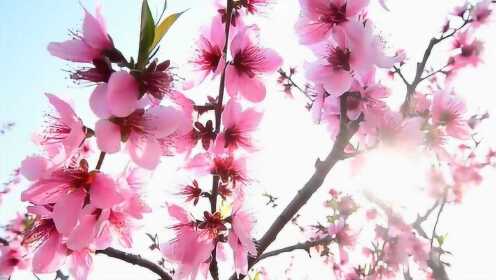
(147, 34)
(163, 27)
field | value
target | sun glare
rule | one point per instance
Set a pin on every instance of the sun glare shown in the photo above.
(393, 176)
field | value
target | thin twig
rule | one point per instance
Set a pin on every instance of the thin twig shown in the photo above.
(100, 160)
(443, 203)
(300, 246)
(136, 260)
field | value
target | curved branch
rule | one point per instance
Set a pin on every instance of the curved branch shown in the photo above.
(411, 87)
(322, 168)
(136, 260)
(300, 246)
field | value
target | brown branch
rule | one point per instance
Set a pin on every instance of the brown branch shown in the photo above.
(214, 270)
(136, 260)
(100, 160)
(322, 168)
(4, 242)
(300, 246)
(412, 86)
(443, 203)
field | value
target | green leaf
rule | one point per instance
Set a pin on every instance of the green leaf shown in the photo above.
(147, 33)
(163, 27)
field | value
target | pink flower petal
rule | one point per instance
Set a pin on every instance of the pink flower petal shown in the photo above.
(108, 136)
(50, 255)
(144, 151)
(104, 192)
(122, 94)
(163, 120)
(94, 31)
(34, 167)
(73, 50)
(252, 89)
(80, 264)
(66, 211)
(83, 234)
(98, 102)
(271, 62)
(232, 81)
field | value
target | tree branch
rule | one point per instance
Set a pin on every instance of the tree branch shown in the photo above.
(412, 86)
(136, 260)
(434, 262)
(300, 246)
(4, 241)
(322, 168)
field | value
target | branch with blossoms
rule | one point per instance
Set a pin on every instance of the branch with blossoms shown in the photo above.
(77, 209)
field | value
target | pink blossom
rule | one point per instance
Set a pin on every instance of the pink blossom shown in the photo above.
(351, 53)
(240, 239)
(92, 44)
(481, 12)
(141, 131)
(448, 111)
(209, 59)
(318, 17)
(64, 129)
(368, 100)
(230, 168)
(50, 251)
(12, 258)
(238, 126)
(69, 189)
(190, 249)
(249, 62)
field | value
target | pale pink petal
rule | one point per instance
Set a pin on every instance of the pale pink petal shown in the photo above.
(250, 119)
(311, 32)
(66, 211)
(353, 7)
(73, 50)
(271, 62)
(232, 83)
(122, 94)
(94, 31)
(108, 136)
(98, 102)
(80, 264)
(44, 192)
(162, 121)
(34, 167)
(231, 113)
(104, 192)
(178, 213)
(144, 151)
(217, 32)
(338, 83)
(83, 234)
(50, 255)
(63, 108)
(252, 89)
(240, 255)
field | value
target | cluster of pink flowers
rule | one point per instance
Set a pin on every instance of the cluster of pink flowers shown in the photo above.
(76, 209)
(226, 143)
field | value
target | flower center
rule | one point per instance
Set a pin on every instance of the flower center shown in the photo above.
(334, 15)
(339, 58)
